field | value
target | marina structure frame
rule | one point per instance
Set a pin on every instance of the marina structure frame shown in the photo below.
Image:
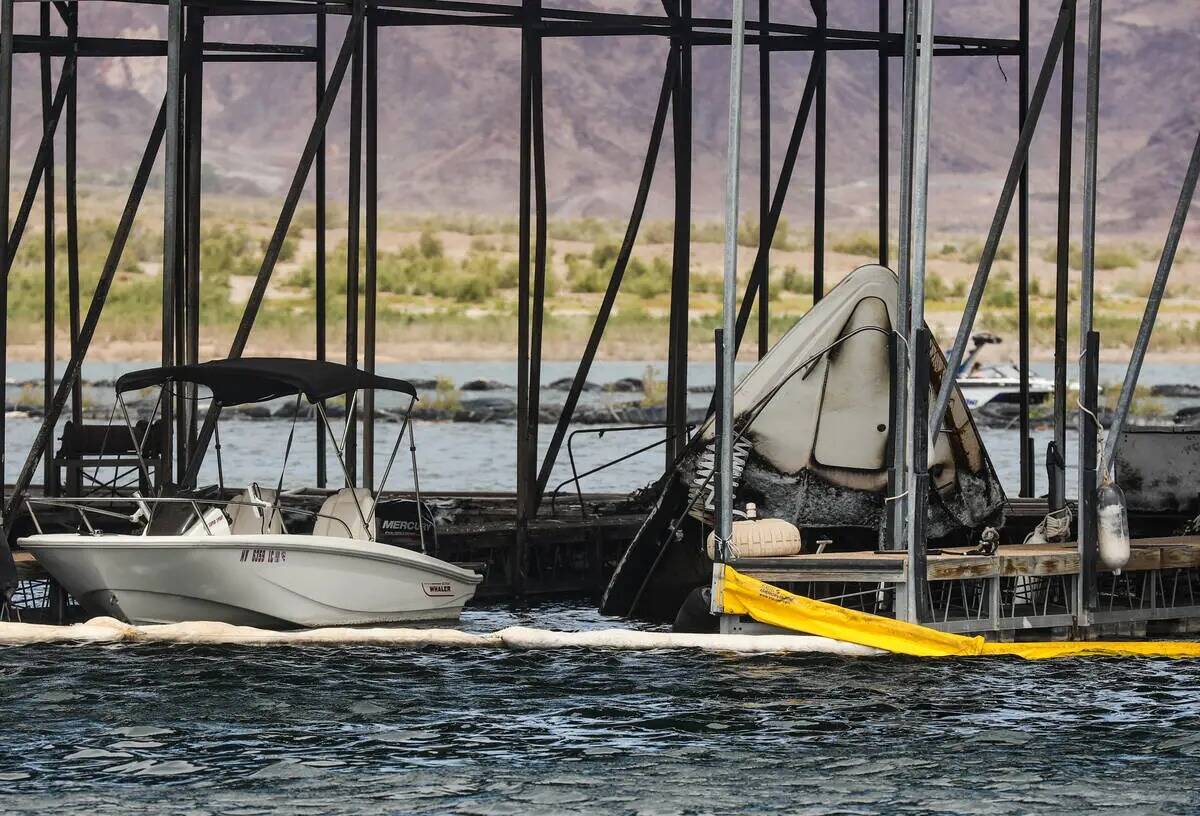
(352, 67)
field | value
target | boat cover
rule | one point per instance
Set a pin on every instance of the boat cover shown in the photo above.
(242, 380)
(815, 412)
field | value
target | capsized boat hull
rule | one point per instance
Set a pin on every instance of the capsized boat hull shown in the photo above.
(274, 581)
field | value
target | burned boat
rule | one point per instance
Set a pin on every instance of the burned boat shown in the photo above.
(811, 446)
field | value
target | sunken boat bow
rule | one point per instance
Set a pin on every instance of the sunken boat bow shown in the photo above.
(812, 446)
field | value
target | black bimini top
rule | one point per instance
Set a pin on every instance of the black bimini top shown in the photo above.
(237, 381)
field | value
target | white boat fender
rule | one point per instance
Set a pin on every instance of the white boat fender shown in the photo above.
(1112, 526)
(759, 538)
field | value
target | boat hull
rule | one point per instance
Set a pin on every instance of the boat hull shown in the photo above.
(276, 581)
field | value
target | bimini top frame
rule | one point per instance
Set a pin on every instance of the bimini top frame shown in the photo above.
(245, 380)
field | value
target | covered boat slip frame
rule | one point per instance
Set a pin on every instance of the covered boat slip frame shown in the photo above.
(187, 50)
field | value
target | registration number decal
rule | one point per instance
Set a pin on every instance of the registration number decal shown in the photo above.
(263, 556)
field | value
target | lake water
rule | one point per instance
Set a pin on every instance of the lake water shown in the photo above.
(198, 730)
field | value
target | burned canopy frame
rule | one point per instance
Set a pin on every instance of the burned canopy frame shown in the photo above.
(187, 47)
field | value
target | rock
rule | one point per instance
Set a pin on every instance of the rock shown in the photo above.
(289, 409)
(1188, 416)
(255, 411)
(565, 385)
(483, 385)
(1175, 390)
(423, 383)
(625, 385)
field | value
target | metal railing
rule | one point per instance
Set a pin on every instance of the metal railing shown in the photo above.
(80, 505)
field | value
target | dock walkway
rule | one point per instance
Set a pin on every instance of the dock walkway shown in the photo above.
(1021, 591)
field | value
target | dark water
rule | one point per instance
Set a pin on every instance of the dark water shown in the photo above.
(372, 730)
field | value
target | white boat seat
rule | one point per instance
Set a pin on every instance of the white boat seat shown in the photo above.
(247, 519)
(342, 514)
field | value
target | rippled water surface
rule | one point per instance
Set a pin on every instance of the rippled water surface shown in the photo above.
(374, 730)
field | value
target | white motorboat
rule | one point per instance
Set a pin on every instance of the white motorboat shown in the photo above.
(253, 560)
(998, 384)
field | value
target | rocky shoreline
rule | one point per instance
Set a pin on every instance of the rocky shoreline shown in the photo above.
(480, 401)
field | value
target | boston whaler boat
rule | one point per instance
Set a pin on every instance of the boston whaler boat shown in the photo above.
(252, 561)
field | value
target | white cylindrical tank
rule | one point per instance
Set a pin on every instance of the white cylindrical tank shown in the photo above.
(1112, 526)
(759, 538)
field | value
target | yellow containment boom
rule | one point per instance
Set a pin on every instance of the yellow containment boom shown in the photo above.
(737, 594)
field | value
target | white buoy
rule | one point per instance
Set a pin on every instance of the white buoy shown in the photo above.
(1112, 526)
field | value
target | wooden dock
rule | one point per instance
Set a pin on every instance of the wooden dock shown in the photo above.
(1020, 592)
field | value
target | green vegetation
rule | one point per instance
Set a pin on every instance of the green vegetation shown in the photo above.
(449, 283)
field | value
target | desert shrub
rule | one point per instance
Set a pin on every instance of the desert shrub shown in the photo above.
(858, 244)
(797, 282)
(429, 245)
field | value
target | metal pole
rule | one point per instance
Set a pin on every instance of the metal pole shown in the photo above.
(1026, 464)
(1089, 431)
(193, 130)
(524, 252)
(7, 569)
(884, 95)
(353, 206)
(1153, 301)
(74, 485)
(901, 385)
(368, 456)
(918, 474)
(729, 289)
(1087, 275)
(49, 477)
(529, 468)
(764, 176)
(1062, 268)
(1020, 154)
(319, 228)
(172, 211)
(822, 55)
(677, 351)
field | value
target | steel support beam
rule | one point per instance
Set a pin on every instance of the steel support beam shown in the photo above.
(172, 218)
(896, 537)
(1062, 265)
(319, 308)
(919, 341)
(353, 226)
(1020, 155)
(764, 178)
(71, 183)
(193, 130)
(821, 54)
(884, 137)
(371, 267)
(677, 341)
(1026, 461)
(49, 477)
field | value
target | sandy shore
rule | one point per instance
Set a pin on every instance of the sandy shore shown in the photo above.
(142, 351)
